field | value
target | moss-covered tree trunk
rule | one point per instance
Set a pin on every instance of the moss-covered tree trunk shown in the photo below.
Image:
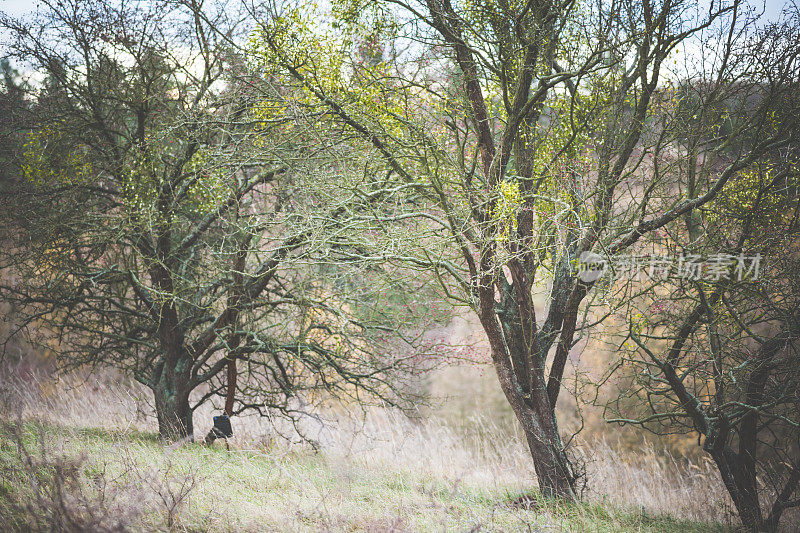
(171, 389)
(521, 372)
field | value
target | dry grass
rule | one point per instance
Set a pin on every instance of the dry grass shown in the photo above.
(285, 489)
(382, 472)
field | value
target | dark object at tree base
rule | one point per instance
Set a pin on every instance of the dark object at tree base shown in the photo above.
(222, 429)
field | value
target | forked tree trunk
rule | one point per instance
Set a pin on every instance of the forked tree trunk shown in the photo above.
(537, 419)
(521, 371)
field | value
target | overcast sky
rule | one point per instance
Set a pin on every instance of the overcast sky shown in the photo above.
(772, 8)
(20, 7)
(17, 7)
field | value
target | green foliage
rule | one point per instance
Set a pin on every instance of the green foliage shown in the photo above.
(49, 159)
(143, 178)
(506, 210)
(315, 52)
(744, 197)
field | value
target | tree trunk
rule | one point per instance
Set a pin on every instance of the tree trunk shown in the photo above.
(171, 390)
(741, 485)
(549, 458)
(174, 415)
(522, 378)
(512, 341)
(537, 419)
(552, 469)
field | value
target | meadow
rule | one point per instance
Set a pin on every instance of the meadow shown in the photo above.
(81, 452)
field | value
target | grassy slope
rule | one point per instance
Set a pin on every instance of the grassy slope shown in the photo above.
(276, 490)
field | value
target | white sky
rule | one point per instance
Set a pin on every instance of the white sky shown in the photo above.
(20, 7)
(17, 7)
(772, 9)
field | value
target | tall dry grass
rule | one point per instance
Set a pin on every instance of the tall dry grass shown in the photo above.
(479, 452)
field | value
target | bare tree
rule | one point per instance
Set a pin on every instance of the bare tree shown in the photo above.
(715, 354)
(167, 225)
(712, 351)
(515, 134)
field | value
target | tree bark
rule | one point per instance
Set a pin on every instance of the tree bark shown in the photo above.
(171, 389)
(532, 409)
(553, 470)
(174, 417)
(741, 484)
